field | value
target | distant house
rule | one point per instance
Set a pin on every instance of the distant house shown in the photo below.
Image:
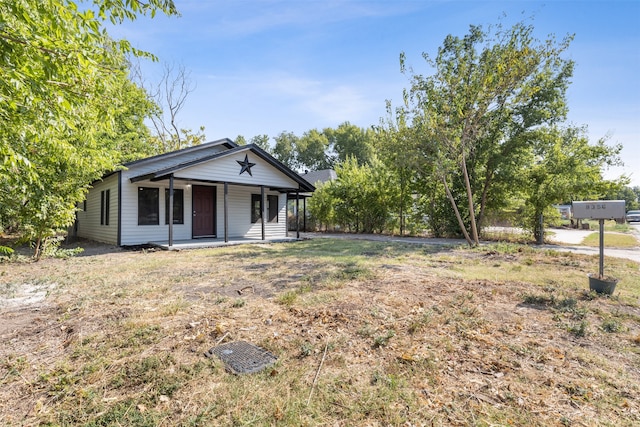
(319, 177)
(564, 210)
(316, 178)
(216, 190)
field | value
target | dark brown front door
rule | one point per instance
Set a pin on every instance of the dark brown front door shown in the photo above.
(204, 211)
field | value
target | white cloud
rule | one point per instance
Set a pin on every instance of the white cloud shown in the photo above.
(341, 103)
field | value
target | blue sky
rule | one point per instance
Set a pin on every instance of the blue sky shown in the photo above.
(264, 67)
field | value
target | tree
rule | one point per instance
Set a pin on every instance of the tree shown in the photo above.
(350, 141)
(170, 95)
(486, 92)
(312, 151)
(59, 74)
(261, 141)
(566, 167)
(631, 196)
(360, 197)
(129, 135)
(395, 144)
(321, 205)
(285, 149)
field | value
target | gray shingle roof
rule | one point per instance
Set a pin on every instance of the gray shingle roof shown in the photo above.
(324, 175)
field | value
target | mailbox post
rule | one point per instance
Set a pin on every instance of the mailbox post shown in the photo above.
(600, 210)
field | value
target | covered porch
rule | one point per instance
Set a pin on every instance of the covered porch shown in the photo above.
(178, 245)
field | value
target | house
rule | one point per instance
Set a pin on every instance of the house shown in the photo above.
(316, 178)
(320, 176)
(564, 211)
(217, 190)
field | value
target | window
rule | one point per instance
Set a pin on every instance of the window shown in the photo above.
(178, 206)
(148, 206)
(84, 205)
(256, 208)
(273, 208)
(104, 206)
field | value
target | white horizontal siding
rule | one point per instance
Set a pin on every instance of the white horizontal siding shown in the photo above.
(240, 224)
(227, 169)
(152, 165)
(134, 234)
(89, 221)
(239, 220)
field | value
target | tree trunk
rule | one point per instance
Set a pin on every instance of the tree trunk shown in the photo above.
(456, 211)
(472, 214)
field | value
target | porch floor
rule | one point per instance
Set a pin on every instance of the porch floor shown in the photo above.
(214, 242)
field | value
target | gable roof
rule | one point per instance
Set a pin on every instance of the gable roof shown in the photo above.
(322, 176)
(164, 172)
(225, 142)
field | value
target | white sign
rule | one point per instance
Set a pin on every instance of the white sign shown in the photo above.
(599, 209)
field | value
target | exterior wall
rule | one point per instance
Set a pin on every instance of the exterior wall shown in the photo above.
(89, 221)
(240, 224)
(134, 234)
(228, 169)
(152, 165)
(239, 220)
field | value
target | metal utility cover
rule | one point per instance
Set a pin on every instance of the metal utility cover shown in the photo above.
(241, 357)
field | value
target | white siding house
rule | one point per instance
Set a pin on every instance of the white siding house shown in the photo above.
(220, 191)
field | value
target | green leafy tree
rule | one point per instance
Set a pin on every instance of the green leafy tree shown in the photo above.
(631, 196)
(321, 206)
(59, 73)
(129, 134)
(565, 167)
(261, 141)
(312, 151)
(487, 90)
(285, 149)
(396, 144)
(349, 141)
(362, 196)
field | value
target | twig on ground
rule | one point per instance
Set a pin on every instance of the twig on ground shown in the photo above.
(315, 379)
(221, 338)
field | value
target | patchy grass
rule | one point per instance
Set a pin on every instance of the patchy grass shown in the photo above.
(504, 334)
(612, 240)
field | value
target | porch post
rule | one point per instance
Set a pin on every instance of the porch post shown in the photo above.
(262, 209)
(304, 213)
(170, 210)
(297, 214)
(226, 212)
(286, 215)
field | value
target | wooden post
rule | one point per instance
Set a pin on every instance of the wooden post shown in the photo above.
(262, 209)
(297, 215)
(226, 212)
(170, 211)
(304, 215)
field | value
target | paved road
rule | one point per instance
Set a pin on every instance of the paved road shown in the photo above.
(565, 240)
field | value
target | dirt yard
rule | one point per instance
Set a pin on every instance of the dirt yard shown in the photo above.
(366, 333)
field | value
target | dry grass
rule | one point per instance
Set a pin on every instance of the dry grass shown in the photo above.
(414, 335)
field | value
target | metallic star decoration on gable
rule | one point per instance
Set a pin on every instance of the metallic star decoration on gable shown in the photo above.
(246, 165)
